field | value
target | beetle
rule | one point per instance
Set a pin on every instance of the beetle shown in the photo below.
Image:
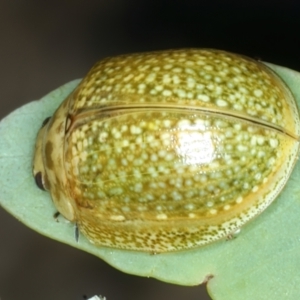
(169, 150)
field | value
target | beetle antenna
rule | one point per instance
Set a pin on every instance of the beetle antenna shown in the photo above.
(76, 233)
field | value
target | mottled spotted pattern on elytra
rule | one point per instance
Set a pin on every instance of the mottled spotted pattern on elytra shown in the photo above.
(210, 79)
(170, 150)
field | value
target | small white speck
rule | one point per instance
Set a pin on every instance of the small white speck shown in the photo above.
(163, 197)
(176, 196)
(83, 156)
(124, 128)
(142, 208)
(74, 151)
(142, 86)
(200, 86)
(260, 140)
(261, 154)
(117, 218)
(167, 79)
(221, 103)
(202, 97)
(117, 135)
(253, 140)
(237, 70)
(159, 88)
(161, 217)
(181, 93)
(151, 77)
(242, 148)
(246, 185)
(124, 162)
(209, 203)
(150, 197)
(273, 143)
(101, 194)
(258, 93)
(138, 187)
(177, 70)
(125, 143)
(125, 208)
(176, 79)
(227, 207)
(150, 138)
(153, 157)
(169, 157)
(137, 174)
(184, 123)
(208, 68)
(135, 129)
(237, 126)
(165, 136)
(102, 137)
(168, 66)
(188, 182)
(239, 199)
(257, 176)
(243, 90)
(85, 143)
(115, 191)
(203, 178)
(162, 153)
(189, 206)
(238, 106)
(167, 123)
(190, 95)
(189, 70)
(167, 93)
(218, 79)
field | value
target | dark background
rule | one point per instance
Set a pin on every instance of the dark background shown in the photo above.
(44, 44)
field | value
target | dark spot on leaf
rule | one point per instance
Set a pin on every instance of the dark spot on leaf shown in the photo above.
(56, 215)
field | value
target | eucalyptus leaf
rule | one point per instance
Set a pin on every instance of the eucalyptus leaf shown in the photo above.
(263, 262)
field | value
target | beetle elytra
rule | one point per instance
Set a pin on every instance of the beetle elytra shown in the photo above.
(169, 150)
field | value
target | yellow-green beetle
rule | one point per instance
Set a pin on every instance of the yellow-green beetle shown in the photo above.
(169, 150)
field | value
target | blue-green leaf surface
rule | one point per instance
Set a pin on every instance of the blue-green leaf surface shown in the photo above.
(263, 262)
